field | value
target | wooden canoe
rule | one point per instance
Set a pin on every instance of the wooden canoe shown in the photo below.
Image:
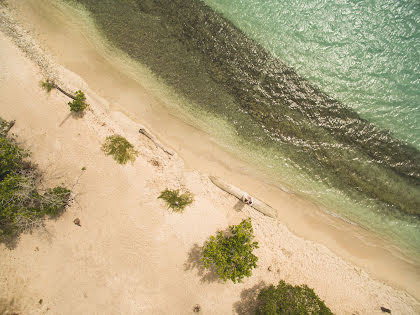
(238, 193)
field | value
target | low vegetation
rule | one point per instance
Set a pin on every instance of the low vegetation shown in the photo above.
(23, 203)
(288, 299)
(231, 254)
(175, 200)
(47, 85)
(121, 150)
(78, 105)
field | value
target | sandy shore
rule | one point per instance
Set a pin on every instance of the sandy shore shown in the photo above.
(131, 255)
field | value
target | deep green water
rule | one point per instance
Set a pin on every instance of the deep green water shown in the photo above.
(309, 129)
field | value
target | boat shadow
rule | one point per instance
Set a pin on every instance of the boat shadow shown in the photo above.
(239, 206)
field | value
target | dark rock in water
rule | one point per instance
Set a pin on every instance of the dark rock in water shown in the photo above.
(385, 310)
(77, 221)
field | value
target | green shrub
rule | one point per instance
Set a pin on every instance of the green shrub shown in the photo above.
(176, 201)
(121, 150)
(4, 127)
(12, 201)
(47, 85)
(55, 200)
(231, 255)
(11, 155)
(23, 207)
(288, 299)
(22, 204)
(79, 104)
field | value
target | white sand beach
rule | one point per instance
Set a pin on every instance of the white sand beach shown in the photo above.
(131, 255)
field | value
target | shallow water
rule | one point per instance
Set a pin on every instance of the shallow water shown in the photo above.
(364, 53)
(304, 138)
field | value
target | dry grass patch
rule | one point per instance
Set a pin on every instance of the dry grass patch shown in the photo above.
(175, 200)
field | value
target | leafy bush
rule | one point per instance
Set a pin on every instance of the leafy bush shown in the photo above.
(55, 200)
(79, 104)
(175, 200)
(47, 85)
(122, 150)
(289, 299)
(11, 156)
(231, 255)
(5, 127)
(22, 204)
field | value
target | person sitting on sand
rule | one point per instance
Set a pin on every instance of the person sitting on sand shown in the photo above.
(248, 200)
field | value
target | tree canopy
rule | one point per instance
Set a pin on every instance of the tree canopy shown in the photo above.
(230, 254)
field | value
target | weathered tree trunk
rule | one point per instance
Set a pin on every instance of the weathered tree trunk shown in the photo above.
(64, 92)
(148, 135)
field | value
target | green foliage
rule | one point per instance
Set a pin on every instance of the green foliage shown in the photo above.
(231, 255)
(176, 201)
(12, 201)
(288, 299)
(4, 127)
(22, 204)
(79, 104)
(11, 155)
(122, 150)
(55, 200)
(47, 85)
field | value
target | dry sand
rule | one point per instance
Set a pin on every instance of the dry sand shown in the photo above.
(131, 255)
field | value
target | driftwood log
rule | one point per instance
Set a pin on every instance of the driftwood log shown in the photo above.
(157, 144)
(258, 205)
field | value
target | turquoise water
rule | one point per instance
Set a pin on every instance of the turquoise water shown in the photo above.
(364, 53)
(296, 84)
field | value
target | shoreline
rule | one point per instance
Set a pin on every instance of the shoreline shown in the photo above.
(107, 75)
(218, 161)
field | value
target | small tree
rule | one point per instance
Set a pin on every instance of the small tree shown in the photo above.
(79, 104)
(231, 255)
(175, 200)
(288, 299)
(122, 150)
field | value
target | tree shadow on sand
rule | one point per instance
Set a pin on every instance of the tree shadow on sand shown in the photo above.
(8, 306)
(74, 115)
(10, 241)
(248, 303)
(194, 262)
